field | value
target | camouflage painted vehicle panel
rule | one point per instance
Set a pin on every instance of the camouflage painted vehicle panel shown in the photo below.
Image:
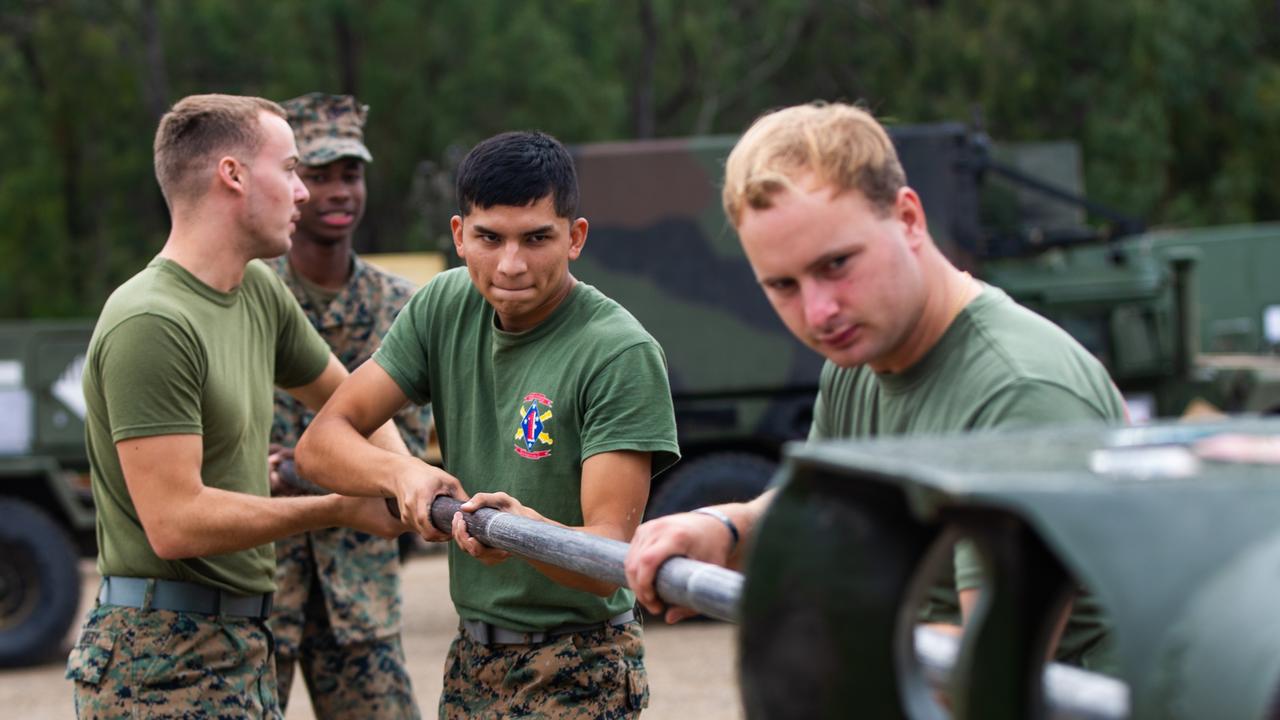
(661, 246)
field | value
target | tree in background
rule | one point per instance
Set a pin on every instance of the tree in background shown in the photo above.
(1175, 104)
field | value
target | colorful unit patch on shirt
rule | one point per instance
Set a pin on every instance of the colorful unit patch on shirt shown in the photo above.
(533, 432)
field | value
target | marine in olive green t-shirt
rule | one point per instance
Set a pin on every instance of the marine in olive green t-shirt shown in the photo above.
(173, 356)
(999, 366)
(519, 413)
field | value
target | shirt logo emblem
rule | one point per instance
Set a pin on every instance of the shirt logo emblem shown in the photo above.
(532, 440)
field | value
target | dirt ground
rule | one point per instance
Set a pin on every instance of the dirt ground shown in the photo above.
(691, 665)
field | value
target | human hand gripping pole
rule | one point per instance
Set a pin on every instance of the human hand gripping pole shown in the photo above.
(710, 590)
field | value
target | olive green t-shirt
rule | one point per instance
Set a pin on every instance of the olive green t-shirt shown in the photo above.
(520, 412)
(173, 356)
(999, 366)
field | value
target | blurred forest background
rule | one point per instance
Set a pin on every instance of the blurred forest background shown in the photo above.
(1175, 102)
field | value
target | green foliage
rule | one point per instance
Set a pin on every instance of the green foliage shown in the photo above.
(1175, 103)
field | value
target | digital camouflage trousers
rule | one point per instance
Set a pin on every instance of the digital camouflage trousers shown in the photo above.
(363, 679)
(134, 663)
(597, 675)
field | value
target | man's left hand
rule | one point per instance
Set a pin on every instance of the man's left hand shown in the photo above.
(498, 501)
(689, 535)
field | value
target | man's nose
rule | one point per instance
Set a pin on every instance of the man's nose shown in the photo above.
(511, 261)
(339, 191)
(300, 192)
(820, 306)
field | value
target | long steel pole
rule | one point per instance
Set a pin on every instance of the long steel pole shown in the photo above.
(709, 589)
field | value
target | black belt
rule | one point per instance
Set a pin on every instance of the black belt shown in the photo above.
(181, 597)
(487, 634)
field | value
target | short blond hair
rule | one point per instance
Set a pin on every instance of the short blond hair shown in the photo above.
(200, 126)
(841, 145)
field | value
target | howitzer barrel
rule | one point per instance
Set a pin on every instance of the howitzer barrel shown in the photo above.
(1071, 693)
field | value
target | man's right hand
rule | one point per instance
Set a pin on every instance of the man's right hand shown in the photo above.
(691, 535)
(370, 515)
(277, 455)
(417, 486)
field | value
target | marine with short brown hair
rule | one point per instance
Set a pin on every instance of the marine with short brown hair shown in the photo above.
(177, 384)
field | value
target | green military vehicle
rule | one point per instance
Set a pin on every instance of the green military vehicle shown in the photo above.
(1183, 320)
(46, 511)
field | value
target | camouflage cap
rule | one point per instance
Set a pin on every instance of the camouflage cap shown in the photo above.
(328, 127)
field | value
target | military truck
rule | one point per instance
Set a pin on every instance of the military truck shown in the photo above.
(46, 511)
(1182, 319)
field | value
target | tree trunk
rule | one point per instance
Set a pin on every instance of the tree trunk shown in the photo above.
(642, 107)
(348, 50)
(155, 76)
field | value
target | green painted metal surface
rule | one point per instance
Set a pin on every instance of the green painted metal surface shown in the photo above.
(42, 452)
(1179, 316)
(1236, 266)
(1182, 553)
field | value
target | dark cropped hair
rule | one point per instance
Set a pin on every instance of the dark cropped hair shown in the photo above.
(518, 168)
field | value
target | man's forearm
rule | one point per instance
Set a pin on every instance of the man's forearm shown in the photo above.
(214, 522)
(333, 455)
(388, 438)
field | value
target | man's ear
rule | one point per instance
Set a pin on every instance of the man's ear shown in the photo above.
(455, 226)
(577, 237)
(231, 174)
(910, 211)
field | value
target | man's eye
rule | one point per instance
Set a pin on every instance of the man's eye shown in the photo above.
(836, 263)
(314, 178)
(538, 238)
(781, 286)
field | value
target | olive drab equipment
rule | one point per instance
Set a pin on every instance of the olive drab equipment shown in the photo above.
(46, 512)
(1181, 553)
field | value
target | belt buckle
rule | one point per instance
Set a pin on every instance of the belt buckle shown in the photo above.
(480, 632)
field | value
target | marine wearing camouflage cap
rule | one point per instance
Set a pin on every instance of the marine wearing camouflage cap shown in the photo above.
(328, 127)
(336, 615)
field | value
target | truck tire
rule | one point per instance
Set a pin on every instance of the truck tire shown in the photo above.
(712, 479)
(39, 583)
